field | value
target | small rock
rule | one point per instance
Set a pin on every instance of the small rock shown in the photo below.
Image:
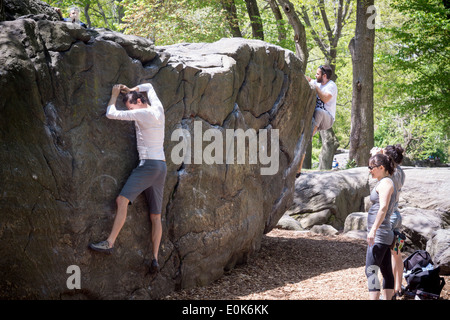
(324, 229)
(315, 218)
(356, 221)
(288, 223)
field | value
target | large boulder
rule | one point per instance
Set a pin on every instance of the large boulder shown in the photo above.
(439, 248)
(328, 197)
(64, 162)
(425, 209)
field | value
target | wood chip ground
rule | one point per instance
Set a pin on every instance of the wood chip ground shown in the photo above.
(295, 265)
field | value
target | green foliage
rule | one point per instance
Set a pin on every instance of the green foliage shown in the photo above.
(413, 79)
(421, 54)
(350, 164)
(420, 136)
(175, 21)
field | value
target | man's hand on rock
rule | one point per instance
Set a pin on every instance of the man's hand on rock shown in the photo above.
(116, 91)
(124, 89)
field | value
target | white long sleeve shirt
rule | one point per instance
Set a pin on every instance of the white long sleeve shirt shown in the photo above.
(149, 124)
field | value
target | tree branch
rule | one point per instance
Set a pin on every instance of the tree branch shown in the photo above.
(325, 21)
(279, 19)
(299, 32)
(317, 38)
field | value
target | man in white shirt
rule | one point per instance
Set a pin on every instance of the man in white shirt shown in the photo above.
(149, 176)
(325, 111)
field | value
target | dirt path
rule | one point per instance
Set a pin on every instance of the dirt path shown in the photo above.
(293, 265)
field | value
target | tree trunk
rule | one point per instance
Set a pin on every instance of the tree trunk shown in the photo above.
(307, 162)
(86, 15)
(329, 146)
(301, 49)
(255, 18)
(231, 16)
(362, 50)
(279, 19)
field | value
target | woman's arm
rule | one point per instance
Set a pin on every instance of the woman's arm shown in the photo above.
(385, 190)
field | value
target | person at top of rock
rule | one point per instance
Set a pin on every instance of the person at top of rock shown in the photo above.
(149, 176)
(325, 109)
(74, 16)
(380, 234)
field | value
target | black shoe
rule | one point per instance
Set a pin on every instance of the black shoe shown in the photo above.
(154, 267)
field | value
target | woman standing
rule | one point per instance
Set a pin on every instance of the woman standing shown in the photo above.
(396, 154)
(380, 234)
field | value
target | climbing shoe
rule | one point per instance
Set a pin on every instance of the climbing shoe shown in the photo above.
(154, 267)
(102, 246)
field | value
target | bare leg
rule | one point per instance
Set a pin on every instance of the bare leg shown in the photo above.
(374, 295)
(388, 294)
(119, 220)
(301, 164)
(156, 233)
(397, 270)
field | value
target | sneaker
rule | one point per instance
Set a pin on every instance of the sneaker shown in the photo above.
(154, 267)
(102, 246)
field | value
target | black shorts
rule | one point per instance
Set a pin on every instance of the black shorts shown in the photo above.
(149, 177)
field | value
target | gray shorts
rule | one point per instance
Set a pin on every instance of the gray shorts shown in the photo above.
(322, 119)
(396, 220)
(149, 177)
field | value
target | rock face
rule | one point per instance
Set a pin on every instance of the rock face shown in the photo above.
(425, 209)
(64, 162)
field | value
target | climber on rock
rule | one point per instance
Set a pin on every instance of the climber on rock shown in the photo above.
(149, 176)
(325, 110)
(74, 16)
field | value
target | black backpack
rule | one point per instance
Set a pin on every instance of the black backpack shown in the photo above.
(422, 276)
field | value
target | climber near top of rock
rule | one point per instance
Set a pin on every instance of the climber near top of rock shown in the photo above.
(74, 16)
(149, 177)
(325, 109)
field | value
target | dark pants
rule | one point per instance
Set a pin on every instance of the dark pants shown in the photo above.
(378, 257)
